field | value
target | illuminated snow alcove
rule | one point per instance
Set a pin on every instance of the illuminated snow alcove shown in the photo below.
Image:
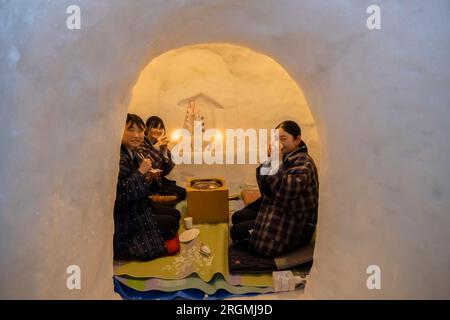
(229, 87)
(379, 100)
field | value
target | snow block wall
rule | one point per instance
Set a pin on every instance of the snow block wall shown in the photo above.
(379, 98)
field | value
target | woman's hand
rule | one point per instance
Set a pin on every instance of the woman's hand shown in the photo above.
(152, 175)
(280, 151)
(162, 142)
(145, 166)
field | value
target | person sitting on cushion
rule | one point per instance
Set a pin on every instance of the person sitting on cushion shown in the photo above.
(155, 148)
(285, 215)
(140, 227)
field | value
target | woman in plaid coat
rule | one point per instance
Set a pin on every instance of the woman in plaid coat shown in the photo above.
(155, 148)
(285, 216)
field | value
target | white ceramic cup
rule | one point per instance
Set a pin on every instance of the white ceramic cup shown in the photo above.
(188, 222)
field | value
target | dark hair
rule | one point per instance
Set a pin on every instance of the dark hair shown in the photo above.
(293, 129)
(134, 119)
(154, 122)
(290, 127)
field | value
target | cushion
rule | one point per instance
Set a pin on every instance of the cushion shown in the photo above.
(241, 261)
(295, 258)
(173, 245)
(250, 195)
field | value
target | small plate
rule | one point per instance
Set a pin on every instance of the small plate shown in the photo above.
(189, 235)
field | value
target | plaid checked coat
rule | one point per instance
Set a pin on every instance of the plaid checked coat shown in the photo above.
(136, 235)
(160, 160)
(288, 212)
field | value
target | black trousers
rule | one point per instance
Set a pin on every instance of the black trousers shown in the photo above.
(167, 219)
(244, 222)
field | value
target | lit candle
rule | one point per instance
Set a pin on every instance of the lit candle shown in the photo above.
(175, 136)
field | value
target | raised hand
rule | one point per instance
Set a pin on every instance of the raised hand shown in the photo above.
(145, 166)
(162, 142)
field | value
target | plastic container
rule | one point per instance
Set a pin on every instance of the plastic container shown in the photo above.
(285, 280)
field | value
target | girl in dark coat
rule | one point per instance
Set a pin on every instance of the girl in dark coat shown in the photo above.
(285, 216)
(140, 228)
(155, 148)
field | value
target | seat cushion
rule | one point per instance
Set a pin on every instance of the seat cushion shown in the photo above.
(297, 257)
(173, 245)
(241, 261)
(250, 195)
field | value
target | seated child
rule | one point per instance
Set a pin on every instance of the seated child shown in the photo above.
(155, 148)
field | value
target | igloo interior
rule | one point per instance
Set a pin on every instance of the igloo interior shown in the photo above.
(376, 103)
(224, 86)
